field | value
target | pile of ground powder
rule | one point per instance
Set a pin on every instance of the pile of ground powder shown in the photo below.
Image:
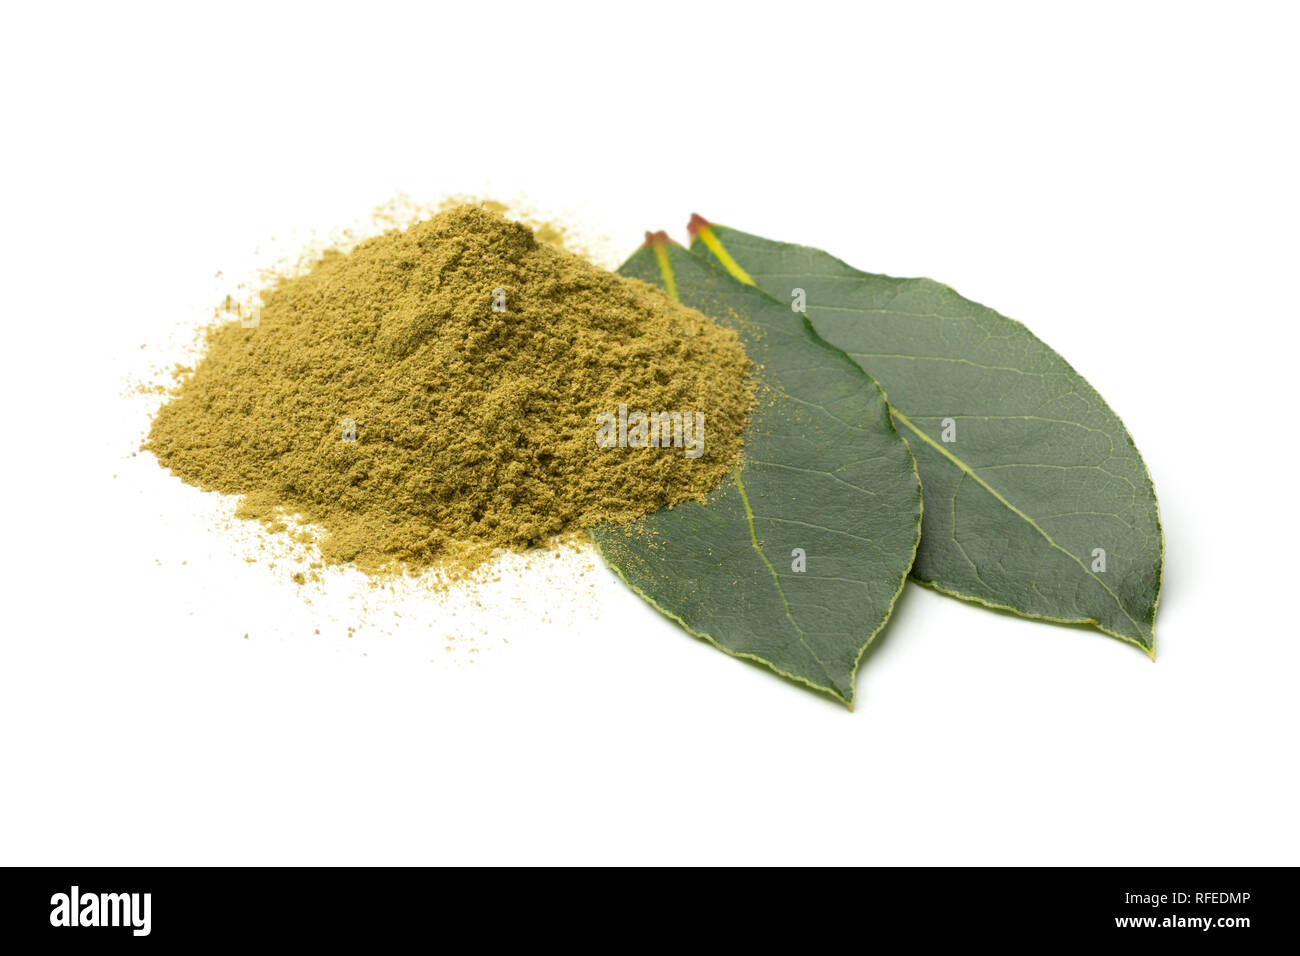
(433, 395)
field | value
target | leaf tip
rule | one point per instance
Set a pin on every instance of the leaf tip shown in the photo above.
(655, 238)
(697, 223)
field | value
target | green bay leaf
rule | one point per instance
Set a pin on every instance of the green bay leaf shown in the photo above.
(824, 474)
(1036, 499)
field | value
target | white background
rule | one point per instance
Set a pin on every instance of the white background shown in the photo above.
(1121, 177)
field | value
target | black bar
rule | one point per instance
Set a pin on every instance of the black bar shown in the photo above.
(1226, 907)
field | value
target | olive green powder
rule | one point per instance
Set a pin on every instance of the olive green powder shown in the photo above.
(435, 394)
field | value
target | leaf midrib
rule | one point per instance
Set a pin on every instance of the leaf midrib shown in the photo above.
(670, 285)
(975, 476)
(776, 580)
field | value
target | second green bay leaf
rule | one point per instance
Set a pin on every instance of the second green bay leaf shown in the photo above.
(1036, 499)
